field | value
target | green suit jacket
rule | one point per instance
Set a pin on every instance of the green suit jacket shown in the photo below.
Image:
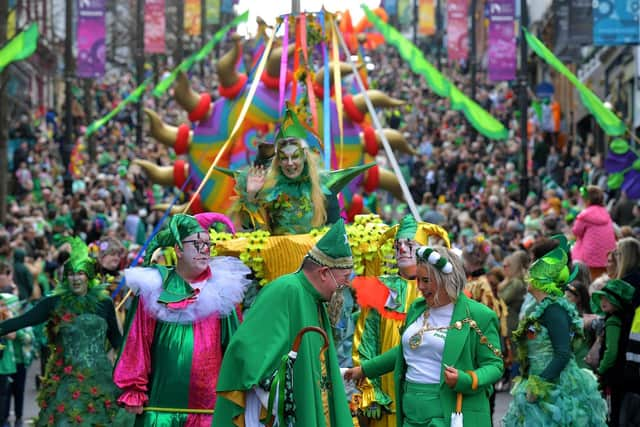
(462, 350)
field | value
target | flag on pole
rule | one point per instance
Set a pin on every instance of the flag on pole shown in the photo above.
(20, 47)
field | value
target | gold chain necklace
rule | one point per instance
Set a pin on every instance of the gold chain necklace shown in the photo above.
(416, 339)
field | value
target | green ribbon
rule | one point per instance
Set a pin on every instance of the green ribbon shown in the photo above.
(479, 118)
(278, 388)
(185, 65)
(133, 97)
(20, 47)
(608, 121)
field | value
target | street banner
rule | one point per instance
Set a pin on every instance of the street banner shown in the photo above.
(502, 40)
(154, 26)
(226, 6)
(426, 18)
(391, 7)
(90, 41)
(615, 22)
(457, 29)
(192, 18)
(581, 22)
(405, 13)
(213, 12)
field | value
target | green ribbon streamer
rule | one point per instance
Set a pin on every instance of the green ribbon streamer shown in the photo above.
(133, 97)
(479, 118)
(278, 387)
(608, 121)
(185, 65)
(20, 47)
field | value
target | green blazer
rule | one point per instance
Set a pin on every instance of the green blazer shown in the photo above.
(462, 350)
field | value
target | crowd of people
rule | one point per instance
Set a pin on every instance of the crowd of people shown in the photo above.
(494, 305)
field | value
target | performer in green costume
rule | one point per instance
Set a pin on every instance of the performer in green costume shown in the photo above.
(179, 323)
(77, 389)
(291, 196)
(384, 302)
(316, 397)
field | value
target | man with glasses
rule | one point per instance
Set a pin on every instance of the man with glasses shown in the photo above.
(315, 395)
(179, 323)
(384, 301)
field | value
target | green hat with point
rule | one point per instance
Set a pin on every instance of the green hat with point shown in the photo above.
(333, 249)
(618, 292)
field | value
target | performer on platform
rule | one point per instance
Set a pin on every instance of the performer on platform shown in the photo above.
(177, 328)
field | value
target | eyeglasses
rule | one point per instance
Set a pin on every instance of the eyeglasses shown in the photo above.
(199, 245)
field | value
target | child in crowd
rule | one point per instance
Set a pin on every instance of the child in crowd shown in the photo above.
(613, 301)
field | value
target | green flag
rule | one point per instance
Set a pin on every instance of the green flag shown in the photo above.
(480, 119)
(20, 47)
(608, 121)
(185, 65)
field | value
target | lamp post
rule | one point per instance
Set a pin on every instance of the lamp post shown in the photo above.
(67, 143)
(472, 50)
(439, 31)
(139, 66)
(523, 101)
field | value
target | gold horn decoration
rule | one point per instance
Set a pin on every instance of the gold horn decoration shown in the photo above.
(226, 67)
(378, 99)
(165, 134)
(345, 69)
(273, 63)
(397, 141)
(184, 95)
(389, 182)
(175, 209)
(162, 175)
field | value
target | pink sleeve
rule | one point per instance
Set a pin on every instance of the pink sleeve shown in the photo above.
(578, 228)
(239, 313)
(131, 373)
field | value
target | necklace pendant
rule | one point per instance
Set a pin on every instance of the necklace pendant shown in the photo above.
(415, 341)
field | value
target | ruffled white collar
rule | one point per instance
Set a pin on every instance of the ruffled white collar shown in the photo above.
(219, 294)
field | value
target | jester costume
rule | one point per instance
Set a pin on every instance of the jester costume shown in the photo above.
(77, 389)
(553, 390)
(176, 332)
(312, 395)
(384, 302)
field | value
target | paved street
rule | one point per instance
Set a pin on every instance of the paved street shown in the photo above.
(31, 408)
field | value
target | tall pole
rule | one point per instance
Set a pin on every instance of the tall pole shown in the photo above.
(415, 22)
(139, 66)
(67, 143)
(439, 31)
(295, 7)
(178, 54)
(4, 159)
(523, 100)
(88, 110)
(203, 32)
(472, 50)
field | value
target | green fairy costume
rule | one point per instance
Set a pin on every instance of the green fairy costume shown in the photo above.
(77, 389)
(552, 389)
(285, 204)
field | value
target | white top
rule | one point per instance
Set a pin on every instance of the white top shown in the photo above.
(424, 364)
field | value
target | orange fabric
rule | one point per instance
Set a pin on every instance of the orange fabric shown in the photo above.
(474, 380)
(372, 293)
(555, 113)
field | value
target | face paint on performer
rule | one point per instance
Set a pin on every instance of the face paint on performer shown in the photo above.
(79, 283)
(196, 251)
(291, 157)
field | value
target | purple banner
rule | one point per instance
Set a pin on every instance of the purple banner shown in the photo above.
(91, 39)
(502, 40)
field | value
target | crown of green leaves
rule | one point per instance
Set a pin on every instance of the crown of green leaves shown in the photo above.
(434, 258)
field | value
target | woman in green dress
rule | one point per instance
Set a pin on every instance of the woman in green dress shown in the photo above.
(80, 319)
(552, 390)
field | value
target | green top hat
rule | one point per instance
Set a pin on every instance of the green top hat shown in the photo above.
(333, 249)
(617, 291)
